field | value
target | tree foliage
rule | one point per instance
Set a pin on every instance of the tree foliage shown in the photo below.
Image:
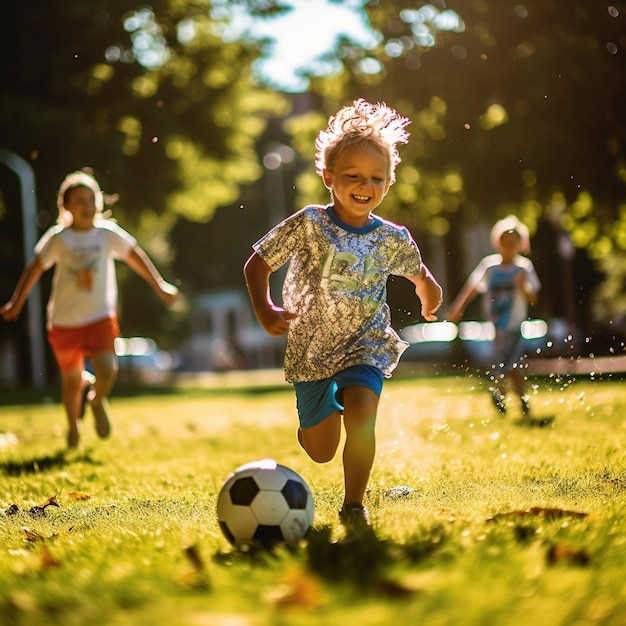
(516, 107)
(508, 101)
(151, 97)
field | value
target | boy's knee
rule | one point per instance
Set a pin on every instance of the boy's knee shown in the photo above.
(321, 458)
(324, 455)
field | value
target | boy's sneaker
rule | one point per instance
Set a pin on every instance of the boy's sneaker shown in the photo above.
(88, 381)
(101, 414)
(354, 516)
(498, 401)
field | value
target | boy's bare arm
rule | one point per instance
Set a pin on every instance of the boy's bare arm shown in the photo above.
(274, 319)
(29, 278)
(524, 286)
(461, 302)
(429, 291)
(141, 264)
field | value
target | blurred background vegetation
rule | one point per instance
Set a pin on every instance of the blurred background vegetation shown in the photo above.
(516, 108)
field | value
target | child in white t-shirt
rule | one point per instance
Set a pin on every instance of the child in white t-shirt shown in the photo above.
(82, 310)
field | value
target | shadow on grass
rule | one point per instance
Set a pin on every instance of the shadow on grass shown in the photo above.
(44, 463)
(536, 422)
(361, 559)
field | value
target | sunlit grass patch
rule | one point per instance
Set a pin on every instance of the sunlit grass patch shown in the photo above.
(477, 519)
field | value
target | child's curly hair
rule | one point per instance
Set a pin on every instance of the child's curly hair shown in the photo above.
(361, 124)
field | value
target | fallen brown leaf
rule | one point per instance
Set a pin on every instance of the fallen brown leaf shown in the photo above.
(77, 495)
(40, 511)
(32, 535)
(47, 560)
(52, 501)
(559, 553)
(298, 589)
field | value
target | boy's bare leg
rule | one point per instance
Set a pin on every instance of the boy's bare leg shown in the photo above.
(519, 385)
(320, 442)
(360, 408)
(71, 395)
(105, 368)
(517, 381)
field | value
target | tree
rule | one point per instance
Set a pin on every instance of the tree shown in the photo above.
(515, 107)
(148, 95)
(151, 97)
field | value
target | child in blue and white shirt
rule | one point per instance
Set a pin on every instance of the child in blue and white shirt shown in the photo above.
(509, 284)
(340, 343)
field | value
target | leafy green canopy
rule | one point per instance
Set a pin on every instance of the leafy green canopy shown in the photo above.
(511, 104)
(516, 107)
(151, 97)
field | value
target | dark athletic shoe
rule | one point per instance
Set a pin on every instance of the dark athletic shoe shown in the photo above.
(498, 401)
(354, 516)
(88, 381)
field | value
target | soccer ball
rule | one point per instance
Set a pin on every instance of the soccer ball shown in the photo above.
(263, 503)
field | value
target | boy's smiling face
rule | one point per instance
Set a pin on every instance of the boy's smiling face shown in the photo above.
(80, 202)
(358, 183)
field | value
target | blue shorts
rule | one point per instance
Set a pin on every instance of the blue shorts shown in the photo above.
(317, 399)
(508, 351)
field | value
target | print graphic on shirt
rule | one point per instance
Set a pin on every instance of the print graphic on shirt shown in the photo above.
(83, 265)
(340, 270)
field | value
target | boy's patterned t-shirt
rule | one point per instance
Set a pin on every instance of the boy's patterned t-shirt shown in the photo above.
(337, 285)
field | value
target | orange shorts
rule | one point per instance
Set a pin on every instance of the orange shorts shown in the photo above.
(72, 345)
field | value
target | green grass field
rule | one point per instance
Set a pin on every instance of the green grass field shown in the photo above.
(507, 525)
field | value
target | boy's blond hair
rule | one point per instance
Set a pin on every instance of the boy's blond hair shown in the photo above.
(362, 124)
(510, 224)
